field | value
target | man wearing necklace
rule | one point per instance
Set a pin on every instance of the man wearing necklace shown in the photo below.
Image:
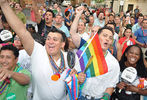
(100, 87)
(49, 63)
(141, 36)
(14, 80)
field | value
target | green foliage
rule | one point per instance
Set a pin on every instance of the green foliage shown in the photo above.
(99, 1)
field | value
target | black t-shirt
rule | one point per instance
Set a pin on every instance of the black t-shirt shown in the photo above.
(0, 38)
(43, 29)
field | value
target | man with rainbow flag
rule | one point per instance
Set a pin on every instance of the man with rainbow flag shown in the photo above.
(48, 63)
(95, 60)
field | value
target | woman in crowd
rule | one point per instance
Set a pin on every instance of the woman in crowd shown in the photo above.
(124, 42)
(67, 20)
(132, 57)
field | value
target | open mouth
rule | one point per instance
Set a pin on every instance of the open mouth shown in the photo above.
(51, 47)
(105, 44)
(47, 18)
(132, 59)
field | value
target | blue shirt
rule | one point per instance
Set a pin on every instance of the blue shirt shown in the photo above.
(82, 42)
(140, 37)
(65, 30)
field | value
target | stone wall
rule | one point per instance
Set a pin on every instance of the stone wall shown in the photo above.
(141, 3)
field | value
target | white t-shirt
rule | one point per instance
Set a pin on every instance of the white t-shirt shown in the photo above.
(43, 87)
(96, 86)
(98, 23)
(85, 36)
(24, 60)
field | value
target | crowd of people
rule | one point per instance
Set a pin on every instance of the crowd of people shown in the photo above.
(34, 60)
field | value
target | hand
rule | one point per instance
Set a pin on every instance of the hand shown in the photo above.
(142, 45)
(4, 73)
(81, 77)
(73, 71)
(80, 10)
(121, 85)
(106, 12)
(127, 39)
(132, 88)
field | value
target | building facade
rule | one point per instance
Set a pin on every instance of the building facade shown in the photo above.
(128, 5)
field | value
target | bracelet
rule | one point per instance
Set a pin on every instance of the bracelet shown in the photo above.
(106, 96)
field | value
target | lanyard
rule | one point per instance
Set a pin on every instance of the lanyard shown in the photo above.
(143, 35)
(144, 32)
(58, 69)
(106, 54)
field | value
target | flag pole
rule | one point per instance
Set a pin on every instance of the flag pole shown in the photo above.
(87, 45)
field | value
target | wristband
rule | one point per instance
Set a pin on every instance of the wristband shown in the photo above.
(106, 96)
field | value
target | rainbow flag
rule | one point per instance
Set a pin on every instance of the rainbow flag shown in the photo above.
(92, 60)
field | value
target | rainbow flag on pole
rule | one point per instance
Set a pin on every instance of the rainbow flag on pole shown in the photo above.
(92, 60)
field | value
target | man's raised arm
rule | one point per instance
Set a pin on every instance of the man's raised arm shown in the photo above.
(73, 30)
(17, 26)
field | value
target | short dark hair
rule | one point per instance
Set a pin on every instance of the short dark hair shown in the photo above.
(100, 12)
(17, 3)
(30, 26)
(111, 15)
(140, 15)
(105, 27)
(133, 17)
(67, 13)
(111, 23)
(144, 20)
(11, 48)
(49, 10)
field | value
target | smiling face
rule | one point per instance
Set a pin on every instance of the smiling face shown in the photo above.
(81, 27)
(133, 55)
(106, 38)
(8, 59)
(128, 33)
(17, 42)
(54, 43)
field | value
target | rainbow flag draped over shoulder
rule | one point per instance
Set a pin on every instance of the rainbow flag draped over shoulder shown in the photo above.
(92, 60)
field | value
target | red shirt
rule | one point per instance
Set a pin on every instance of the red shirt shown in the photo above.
(126, 44)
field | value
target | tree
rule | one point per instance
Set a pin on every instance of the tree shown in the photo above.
(99, 1)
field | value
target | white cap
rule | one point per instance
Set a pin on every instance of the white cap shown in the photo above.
(5, 35)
